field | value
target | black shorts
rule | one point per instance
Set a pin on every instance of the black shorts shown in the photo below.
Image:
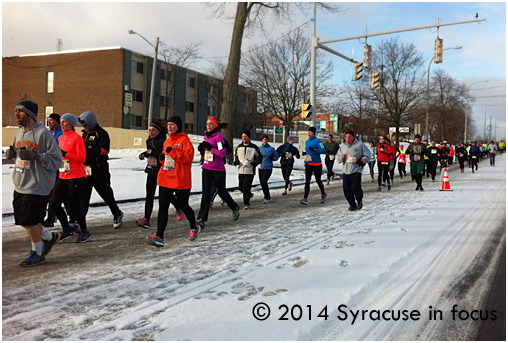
(29, 209)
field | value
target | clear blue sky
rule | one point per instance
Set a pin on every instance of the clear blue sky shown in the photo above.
(34, 28)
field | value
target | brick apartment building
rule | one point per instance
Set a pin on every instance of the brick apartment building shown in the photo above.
(114, 83)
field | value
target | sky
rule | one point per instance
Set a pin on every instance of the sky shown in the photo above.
(97, 24)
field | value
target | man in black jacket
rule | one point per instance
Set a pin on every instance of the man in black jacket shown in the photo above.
(97, 145)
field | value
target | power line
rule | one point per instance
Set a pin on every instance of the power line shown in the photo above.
(479, 89)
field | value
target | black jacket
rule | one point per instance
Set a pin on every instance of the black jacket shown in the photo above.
(154, 147)
(97, 146)
(287, 153)
(434, 153)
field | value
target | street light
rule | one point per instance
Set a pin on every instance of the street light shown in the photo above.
(485, 115)
(152, 87)
(428, 95)
(467, 107)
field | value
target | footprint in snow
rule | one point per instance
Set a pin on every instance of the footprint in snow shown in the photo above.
(250, 292)
(403, 229)
(300, 264)
(271, 294)
(343, 244)
(282, 266)
(369, 242)
(344, 263)
(325, 247)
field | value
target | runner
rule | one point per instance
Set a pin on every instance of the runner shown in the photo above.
(313, 165)
(266, 167)
(384, 155)
(492, 153)
(475, 156)
(331, 148)
(97, 146)
(213, 171)
(287, 153)
(417, 151)
(37, 160)
(247, 157)
(372, 161)
(154, 146)
(461, 155)
(401, 161)
(175, 179)
(426, 165)
(393, 160)
(434, 154)
(355, 155)
(72, 180)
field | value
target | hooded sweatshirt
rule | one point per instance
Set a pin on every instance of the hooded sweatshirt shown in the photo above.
(269, 155)
(74, 146)
(39, 178)
(353, 154)
(97, 143)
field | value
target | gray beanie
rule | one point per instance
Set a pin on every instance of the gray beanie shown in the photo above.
(29, 107)
(71, 118)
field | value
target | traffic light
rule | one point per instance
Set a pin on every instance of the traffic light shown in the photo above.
(306, 110)
(358, 70)
(375, 80)
(367, 56)
(438, 50)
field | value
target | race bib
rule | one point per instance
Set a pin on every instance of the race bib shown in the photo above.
(474, 157)
(65, 168)
(21, 165)
(88, 170)
(244, 163)
(384, 163)
(308, 158)
(152, 161)
(208, 156)
(332, 157)
(289, 155)
(351, 159)
(461, 154)
(417, 158)
(169, 163)
(433, 151)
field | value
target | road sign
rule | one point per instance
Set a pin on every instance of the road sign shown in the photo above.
(128, 99)
(318, 126)
(278, 130)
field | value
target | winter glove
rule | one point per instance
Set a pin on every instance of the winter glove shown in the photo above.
(361, 162)
(10, 153)
(162, 157)
(168, 149)
(27, 155)
(312, 149)
(63, 152)
(143, 155)
(206, 145)
(201, 149)
(304, 153)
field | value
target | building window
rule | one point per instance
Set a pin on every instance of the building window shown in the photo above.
(136, 121)
(137, 96)
(190, 81)
(49, 110)
(165, 74)
(136, 67)
(50, 81)
(189, 106)
(210, 111)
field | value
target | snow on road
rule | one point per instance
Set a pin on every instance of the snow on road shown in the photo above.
(402, 252)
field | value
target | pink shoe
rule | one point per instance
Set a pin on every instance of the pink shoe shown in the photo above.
(179, 214)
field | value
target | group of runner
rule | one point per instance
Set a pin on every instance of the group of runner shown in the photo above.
(59, 166)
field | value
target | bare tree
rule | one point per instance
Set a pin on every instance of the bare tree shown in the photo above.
(402, 86)
(447, 106)
(280, 73)
(184, 57)
(249, 17)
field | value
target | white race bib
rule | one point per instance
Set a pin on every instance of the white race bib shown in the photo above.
(169, 163)
(88, 170)
(351, 159)
(152, 161)
(21, 165)
(208, 156)
(65, 168)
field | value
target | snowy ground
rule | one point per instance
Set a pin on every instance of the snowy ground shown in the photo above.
(404, 251)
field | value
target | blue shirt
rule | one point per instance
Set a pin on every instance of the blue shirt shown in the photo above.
(269, 155)
(57, 133)
(315, 156)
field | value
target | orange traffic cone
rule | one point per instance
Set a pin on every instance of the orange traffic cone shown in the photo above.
(446, 183)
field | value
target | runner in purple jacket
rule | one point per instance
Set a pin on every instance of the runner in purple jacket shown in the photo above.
(213, 170)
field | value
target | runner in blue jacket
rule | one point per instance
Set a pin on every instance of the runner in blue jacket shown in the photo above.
(313, 164)
(266, 167)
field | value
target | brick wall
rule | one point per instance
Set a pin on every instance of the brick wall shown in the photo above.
(83, 81)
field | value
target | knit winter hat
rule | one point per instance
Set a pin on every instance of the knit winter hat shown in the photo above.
(29, 107)
(214, 120)
(291, 139)
(55, 117)
(418, 136)
(70, 118)
(312, 129)
(247, 132)
(350, 132)
(156, 127)
(177, 121)
(384, 137)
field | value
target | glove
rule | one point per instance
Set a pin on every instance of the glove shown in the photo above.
(361, 162)
(10, 153)
(27, 155)
(162, 157)
(143, 155)
(63, 152)
(201, 149)
(206, 145)
(304, 153)
(168, 149)
(312, 149)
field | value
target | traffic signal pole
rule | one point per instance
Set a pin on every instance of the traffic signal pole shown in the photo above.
(317, 43)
